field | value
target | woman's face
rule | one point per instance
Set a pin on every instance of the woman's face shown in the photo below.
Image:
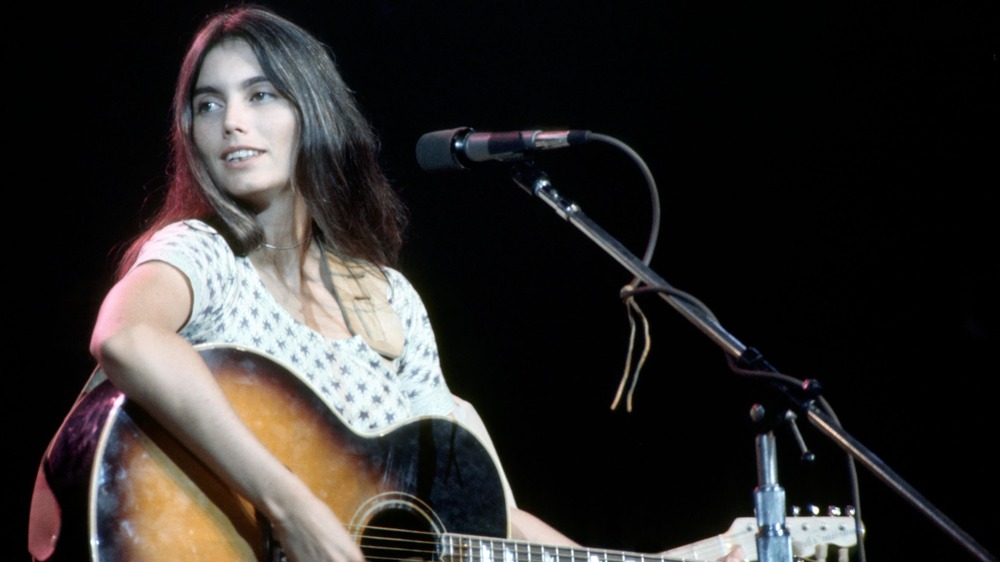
(244, 130)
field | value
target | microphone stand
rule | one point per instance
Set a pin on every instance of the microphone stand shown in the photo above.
(537, 184)
(774, 543)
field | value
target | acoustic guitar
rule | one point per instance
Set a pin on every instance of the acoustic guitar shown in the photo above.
(127, 491)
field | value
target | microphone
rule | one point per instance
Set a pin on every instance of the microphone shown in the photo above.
(458, 149)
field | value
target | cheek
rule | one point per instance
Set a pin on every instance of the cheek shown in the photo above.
(286, 132)
(200, 137)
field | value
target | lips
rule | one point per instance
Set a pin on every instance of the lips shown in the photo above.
(240, 155)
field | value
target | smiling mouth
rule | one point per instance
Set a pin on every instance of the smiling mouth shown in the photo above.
(240, 155)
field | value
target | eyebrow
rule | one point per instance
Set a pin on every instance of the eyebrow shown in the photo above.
(243, 86)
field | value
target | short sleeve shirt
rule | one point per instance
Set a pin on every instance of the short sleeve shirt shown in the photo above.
(231, 305)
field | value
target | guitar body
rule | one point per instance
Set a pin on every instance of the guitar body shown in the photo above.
(125, 491)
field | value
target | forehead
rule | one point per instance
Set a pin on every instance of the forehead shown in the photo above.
(230, 61)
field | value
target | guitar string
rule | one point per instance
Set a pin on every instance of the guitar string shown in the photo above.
(470, 548)
(489, 549)
(473, 551)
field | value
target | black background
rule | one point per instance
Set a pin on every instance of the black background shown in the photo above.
(826, 175)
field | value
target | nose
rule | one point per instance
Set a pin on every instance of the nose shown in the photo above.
(234, 121)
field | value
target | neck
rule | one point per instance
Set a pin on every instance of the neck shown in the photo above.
(284, 222)
(286, 266)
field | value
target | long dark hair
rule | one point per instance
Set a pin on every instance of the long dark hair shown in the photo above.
(354, 210)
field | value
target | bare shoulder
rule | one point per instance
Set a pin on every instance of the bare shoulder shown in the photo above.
(152, 291)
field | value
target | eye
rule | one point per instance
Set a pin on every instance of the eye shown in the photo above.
(261, 96)
(263, 93)
(205, 106)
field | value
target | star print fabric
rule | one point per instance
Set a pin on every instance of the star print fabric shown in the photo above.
(232, 305)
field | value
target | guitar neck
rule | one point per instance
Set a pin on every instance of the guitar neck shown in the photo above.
(807, 534)
(458, 548)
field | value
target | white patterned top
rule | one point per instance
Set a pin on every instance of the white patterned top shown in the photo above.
(231, 305)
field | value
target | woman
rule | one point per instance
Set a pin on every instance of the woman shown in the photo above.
(274, 183)
(278, 233)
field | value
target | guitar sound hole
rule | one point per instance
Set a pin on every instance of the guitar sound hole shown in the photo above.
(398, 534)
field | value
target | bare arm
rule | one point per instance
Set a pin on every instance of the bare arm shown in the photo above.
(136, 343)
(526, 526)
(532, 529)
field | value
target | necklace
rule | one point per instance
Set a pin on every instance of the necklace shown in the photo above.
(273, 247)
